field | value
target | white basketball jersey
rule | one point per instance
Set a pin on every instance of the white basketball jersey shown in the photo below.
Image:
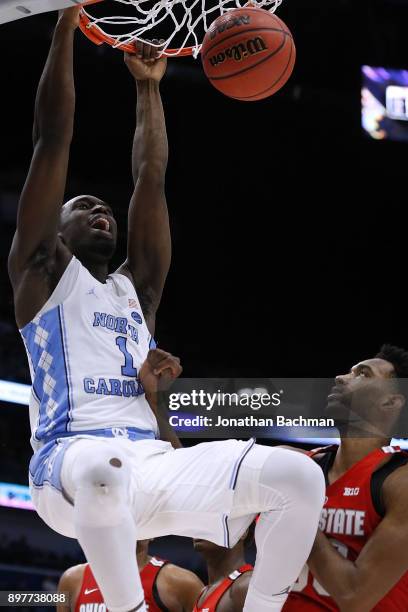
(85, 348)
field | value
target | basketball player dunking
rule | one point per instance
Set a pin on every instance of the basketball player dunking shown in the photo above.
(166, 587)
(98, 473)
(228, 575)
(359, 561)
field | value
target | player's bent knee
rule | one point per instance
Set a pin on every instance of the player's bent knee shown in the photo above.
(312, 482)
(99, 486)
(100, 468)
(295, 475)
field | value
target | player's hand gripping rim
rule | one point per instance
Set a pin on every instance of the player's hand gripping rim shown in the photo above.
(146, 63)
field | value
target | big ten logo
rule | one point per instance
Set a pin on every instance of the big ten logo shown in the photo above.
(240, 51)
(351, 491)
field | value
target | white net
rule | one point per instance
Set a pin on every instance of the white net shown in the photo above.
(180, 23)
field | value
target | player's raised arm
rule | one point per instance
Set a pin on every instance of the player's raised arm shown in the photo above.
(149, 246)
(358, 586)
(35, 240)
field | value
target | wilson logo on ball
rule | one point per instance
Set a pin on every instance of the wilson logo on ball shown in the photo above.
(235, 21)
(239, 52)
(252, 60)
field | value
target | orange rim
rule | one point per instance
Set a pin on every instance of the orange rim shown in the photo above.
(98, 37)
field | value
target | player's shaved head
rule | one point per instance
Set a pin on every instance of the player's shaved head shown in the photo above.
(88, 228)
(87, 199)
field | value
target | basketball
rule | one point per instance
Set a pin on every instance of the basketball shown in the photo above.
(248, 54)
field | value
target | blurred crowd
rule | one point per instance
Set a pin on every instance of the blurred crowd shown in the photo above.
(19, 552)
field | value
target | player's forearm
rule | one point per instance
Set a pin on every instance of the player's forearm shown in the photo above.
(339, 576)
(55, 102)
(150, 147)
(167, 433)
(159, 408)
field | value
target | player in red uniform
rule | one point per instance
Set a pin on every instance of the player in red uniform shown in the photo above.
(228, 575)
(167, 587)
(359, 561)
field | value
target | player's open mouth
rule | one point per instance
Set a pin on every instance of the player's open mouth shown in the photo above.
(100, 223)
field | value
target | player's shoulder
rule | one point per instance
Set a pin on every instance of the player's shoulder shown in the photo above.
(72, 576)
(177, 575)
(395, 489)
(398, 477)
(178, 585)
(239, 589)
(124, 270)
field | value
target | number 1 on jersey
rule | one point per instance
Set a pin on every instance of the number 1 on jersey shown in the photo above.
(128, 369)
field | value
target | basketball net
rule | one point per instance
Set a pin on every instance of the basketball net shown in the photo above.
(185, 18)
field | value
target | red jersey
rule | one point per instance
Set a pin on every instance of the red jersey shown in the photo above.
(90, 598)
(352, 511)
(211, 602)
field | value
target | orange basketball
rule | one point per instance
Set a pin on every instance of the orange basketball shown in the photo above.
(248, 54)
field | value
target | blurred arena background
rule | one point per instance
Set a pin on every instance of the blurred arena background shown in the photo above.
(287, 217)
